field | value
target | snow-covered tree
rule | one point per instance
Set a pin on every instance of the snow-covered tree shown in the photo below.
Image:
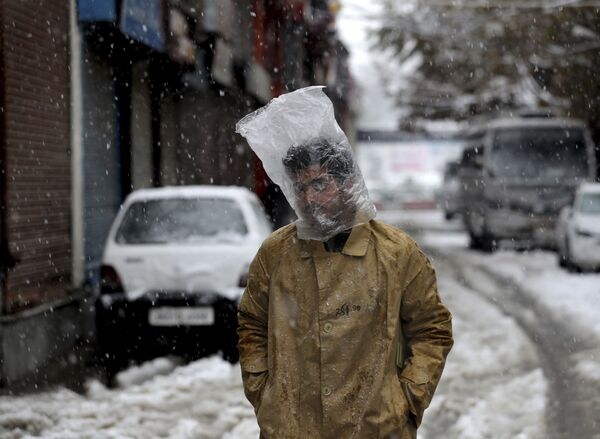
(459, 58)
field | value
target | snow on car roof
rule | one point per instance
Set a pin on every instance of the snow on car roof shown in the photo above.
(527, 122)
(234, 192)
(590, 187)
(535, 122)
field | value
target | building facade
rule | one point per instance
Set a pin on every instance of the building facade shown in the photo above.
(35, 141)
(102, 97)
(39, 316)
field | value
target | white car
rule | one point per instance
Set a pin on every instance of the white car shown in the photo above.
(174, 267)
(578, 230)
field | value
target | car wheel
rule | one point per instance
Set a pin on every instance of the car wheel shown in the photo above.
(229, 347)
(231, 354)
(228, 336)
(480, 238)
(488, 242)
(569, 264)
(111, 357)
(474, 241)
(110, 364)
(563, 260)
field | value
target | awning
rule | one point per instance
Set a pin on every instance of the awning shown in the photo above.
(142, 20)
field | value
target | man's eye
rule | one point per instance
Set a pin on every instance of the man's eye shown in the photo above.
(319, 185)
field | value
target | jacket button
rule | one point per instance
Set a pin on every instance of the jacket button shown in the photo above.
(326, 391)
(327, 327)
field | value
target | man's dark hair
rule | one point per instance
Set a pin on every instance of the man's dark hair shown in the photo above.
(335, 158)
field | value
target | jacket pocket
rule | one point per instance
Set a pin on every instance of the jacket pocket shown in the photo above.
(415, 390)
(266, 413)
(254, 386)
(254, 364)
(394, 410)
(416, 375)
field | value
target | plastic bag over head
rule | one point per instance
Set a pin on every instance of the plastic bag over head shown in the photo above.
(307, 154)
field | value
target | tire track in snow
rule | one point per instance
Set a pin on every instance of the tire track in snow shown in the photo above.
(573, 404)
(485, 373)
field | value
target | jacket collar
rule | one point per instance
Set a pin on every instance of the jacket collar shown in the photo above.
(357, 243)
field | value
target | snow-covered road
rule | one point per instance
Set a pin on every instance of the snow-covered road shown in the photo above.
(557, 313)
(203, 399)
(526, 363)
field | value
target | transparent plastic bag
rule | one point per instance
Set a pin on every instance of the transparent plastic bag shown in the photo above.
(306, 153)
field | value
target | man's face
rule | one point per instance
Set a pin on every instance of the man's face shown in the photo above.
(321, 197)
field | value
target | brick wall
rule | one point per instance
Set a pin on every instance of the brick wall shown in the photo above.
(37, 195)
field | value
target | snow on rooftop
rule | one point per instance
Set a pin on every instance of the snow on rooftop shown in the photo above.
(188, 191)
(589, 187)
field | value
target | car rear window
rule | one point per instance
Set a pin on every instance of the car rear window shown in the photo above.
(182, 220)
(590, 203)
(548, 154)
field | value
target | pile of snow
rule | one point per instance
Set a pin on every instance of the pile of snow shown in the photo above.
(203, 399)
(492, 385)
(571, 297)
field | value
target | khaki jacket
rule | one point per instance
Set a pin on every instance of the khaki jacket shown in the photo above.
(342, 345)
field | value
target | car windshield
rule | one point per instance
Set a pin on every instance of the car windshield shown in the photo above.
(590, 203)
(182, 220)
(548, 154)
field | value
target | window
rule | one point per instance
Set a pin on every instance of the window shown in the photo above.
(590, 203)
(539, 153)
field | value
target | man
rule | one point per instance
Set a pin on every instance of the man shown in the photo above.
(344, 337)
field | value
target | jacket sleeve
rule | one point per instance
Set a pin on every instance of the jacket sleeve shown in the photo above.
(427, 330)
(252, 331)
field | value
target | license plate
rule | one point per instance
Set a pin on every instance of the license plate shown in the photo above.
(173, 316)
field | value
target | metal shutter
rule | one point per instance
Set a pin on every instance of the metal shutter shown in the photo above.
(36, 60)
(101, 172)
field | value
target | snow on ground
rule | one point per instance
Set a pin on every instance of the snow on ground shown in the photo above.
(513, 410)
(201, 400)
(572, 298)
(491, 387)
